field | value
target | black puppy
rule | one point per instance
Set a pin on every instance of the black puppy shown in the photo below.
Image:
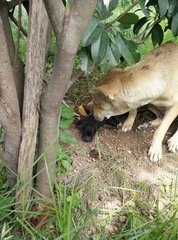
(88, 125)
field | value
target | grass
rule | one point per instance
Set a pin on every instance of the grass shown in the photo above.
(74, 211)
(64, 216)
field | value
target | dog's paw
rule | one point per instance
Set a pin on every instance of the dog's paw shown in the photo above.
(143, 126)
(173, 144)
(155, 153)
(127, 126)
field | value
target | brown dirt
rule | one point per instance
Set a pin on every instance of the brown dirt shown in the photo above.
(117, 162)
(126, 152)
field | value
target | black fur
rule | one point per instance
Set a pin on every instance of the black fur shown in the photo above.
(88, 125)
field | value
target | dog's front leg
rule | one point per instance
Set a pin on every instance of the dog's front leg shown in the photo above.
(155, 152)
(127, 125)
(173, 142)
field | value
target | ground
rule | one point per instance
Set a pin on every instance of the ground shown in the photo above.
(126, 151)
(118, 161)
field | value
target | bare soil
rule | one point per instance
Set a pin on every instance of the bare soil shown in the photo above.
(118, 163)
(118, 160)
(126, 152)
(117, 150)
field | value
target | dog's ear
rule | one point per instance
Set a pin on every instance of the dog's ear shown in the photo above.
(102, 92)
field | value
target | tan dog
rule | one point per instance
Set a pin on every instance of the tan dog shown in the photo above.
(153, 80)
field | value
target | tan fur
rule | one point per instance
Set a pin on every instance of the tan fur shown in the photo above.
(153, 80)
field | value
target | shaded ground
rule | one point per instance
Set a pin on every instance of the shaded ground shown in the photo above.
(126, 152)
(117, 165)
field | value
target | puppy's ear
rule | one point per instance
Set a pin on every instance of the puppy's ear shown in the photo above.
(102, 92)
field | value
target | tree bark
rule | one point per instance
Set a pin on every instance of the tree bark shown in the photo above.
(9, 106)
(75, 22)
(32, 93)
(16, 63)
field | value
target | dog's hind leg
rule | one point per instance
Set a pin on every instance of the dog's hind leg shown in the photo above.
(159, 116)
(155, 151)
(173, 143)
(127, 125)
(153, 123)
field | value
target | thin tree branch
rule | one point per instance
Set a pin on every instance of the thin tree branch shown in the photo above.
(12, 4)
(55, 10)
(120, 16)
(18, 31)
(14, 20)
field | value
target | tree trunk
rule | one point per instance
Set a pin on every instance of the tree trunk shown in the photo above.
(9, 105)
(32, 93)
(74, 24)
(16, 63)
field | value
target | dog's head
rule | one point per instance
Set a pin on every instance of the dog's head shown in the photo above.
(107, 103)
(108, 95)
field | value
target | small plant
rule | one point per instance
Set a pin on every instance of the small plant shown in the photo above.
(67, 118)
(5, 232)
(65, 137)
(64, 160)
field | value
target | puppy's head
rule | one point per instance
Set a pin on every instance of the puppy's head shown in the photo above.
(107, 103)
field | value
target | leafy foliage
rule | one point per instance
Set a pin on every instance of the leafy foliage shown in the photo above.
(155, 12)
(65, 136)
(105, 42)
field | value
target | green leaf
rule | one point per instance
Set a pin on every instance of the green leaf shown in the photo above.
(66, 123)
(74, 199)
(67, 111)
(110, 57)
(139, 25)
(62, 155)
(105, 67)
(115, 51)
(133, 49)
(99, 47)
(113, 4)
(101, 9)
(163, 6)
(86, 59)
(129, 18)
(123, 49)
(174, 25)
(124, 26)
(66, 137)
(145, 11)
(66, 165)
(94, 29)
(157, 34)
(152, 3)
(173, 5)
(67, 116)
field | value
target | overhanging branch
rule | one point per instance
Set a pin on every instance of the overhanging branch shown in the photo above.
(55, 10)
(12, 4)
(14, 20)
(121, 15)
